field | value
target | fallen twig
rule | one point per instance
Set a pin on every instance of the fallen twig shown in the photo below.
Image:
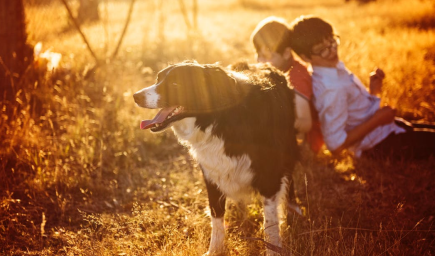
(173, 204)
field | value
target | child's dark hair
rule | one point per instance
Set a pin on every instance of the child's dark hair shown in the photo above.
(308, 31)
(272, 33)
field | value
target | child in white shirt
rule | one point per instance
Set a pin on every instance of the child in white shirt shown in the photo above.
(350, 116)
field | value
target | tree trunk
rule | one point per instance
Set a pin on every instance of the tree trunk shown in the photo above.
(15, 54)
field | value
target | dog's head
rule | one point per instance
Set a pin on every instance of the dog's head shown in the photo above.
(189, 89)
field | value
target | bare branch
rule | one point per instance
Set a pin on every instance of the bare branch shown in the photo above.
(80, 31)
(130, 10)
(195, 15)
(185, 15)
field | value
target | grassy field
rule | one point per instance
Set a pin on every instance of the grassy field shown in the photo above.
(78, 176)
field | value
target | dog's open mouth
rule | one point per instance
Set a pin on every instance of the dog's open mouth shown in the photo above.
(162, 119)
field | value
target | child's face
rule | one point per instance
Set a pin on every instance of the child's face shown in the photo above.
(281, 61)
(325, 54)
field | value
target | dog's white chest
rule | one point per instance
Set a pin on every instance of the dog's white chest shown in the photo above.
(232, 175)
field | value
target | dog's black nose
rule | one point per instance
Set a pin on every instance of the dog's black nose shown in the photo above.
(139, 98)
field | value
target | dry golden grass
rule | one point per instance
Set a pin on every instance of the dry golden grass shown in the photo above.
(78, 177)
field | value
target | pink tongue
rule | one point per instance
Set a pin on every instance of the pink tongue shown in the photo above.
(159, 118)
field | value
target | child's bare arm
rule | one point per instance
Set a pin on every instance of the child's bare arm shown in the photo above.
(376, 78)
(383, 116)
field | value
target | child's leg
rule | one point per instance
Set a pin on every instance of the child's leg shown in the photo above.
(424, 125)
(411, 125)
(418, 143)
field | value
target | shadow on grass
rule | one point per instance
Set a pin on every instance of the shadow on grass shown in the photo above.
(369, 207)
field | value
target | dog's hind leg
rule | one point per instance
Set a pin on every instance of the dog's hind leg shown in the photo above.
(217, 209)
(291, 204)
(271, 222)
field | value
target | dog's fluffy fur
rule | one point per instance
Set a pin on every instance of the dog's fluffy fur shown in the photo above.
(238, 123)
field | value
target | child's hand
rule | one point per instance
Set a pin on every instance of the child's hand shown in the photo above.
(376, 78)
(385, 115)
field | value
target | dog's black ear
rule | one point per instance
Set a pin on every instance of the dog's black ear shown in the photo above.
(217, 77)
(225, 91)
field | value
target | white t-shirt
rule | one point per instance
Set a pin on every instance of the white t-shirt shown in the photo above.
(344, 103)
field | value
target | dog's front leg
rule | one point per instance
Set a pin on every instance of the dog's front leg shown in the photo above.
(217, 208)
(217, 245)
(271, 222)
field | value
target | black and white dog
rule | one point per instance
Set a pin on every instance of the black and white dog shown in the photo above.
(238, 123)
